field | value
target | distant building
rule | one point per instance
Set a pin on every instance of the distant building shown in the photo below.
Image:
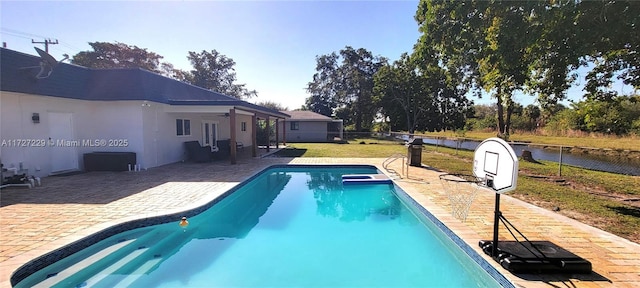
(308, 126)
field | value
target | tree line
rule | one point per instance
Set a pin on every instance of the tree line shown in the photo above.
(466, 49)
(494, 48)
(620, 116)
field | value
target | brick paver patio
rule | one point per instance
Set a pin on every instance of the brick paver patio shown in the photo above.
(64, 209)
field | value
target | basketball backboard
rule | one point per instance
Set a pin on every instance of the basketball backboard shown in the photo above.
(496, 163)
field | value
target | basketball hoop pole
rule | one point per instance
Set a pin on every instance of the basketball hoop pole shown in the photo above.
(496, 219)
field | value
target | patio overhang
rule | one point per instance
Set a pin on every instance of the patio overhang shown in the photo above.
(231, 109)
(256, 114)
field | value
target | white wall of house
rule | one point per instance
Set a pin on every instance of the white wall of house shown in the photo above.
(171, 146)
(151, 136)
(108, 126)
(95, 126)
(244, 136)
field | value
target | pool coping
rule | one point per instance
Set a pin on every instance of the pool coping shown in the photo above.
(46, 259)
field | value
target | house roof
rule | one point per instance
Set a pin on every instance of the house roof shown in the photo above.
(18, 70)
(307, 116)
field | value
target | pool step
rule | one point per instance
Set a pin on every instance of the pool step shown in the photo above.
(71, 270)
(142, 270)
(365, 179)
(113, 267)
(122, 249)
(146, 261)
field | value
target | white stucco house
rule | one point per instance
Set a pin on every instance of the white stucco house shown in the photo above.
(48, 124)
(308, 126)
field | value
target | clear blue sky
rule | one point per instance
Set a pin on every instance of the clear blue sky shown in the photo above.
(274, 43)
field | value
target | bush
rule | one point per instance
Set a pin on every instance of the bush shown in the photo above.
(564, 121)
(635, 127)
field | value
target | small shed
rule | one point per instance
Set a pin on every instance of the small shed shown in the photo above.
(308, 126)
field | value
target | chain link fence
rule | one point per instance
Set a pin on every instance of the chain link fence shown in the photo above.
(625, 162)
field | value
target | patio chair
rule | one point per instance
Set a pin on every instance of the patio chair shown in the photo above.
(224, 150)
(197, 153)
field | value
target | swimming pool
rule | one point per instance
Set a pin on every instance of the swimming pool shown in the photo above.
(286, 226)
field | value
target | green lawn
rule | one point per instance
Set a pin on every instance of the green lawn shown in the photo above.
(372, 149)
(608, 142)
(590, 196)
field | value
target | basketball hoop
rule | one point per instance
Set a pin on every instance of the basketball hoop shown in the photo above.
(461, 190)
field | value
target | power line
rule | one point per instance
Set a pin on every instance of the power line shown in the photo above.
(14, 34)
(14, 31)
(46, 43)
(24, 35)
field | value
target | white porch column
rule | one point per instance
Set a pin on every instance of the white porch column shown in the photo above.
(233, 140)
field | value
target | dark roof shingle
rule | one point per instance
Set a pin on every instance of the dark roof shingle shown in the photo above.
(307, 115)
(18, 70)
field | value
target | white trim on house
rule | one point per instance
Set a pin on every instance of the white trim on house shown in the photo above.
(196, 109)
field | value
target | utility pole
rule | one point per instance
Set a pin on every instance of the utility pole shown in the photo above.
(46, 43)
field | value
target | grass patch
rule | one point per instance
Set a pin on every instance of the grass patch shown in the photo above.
(352, 149)
(608, 142)
(588, 198)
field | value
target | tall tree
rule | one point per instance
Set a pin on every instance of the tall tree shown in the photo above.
(505, 46)
(118, 55)
(419, 96)
(343, 86)
(599, 34)
(400, 94)
(324, 86)
(557, 52)
(483, 42)
(611, 37)
(216, 72)
(531, 114)
(356, 94)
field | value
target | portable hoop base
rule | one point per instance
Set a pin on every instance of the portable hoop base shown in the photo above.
(496, 163)
(530, 256)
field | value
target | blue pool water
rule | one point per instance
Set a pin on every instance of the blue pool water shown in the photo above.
(293, 227)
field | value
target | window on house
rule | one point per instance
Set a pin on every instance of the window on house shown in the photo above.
(183, 127)
(243, 126)
(295, 126)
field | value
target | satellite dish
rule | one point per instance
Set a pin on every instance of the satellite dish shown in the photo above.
(47, 63)
(46, 58)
